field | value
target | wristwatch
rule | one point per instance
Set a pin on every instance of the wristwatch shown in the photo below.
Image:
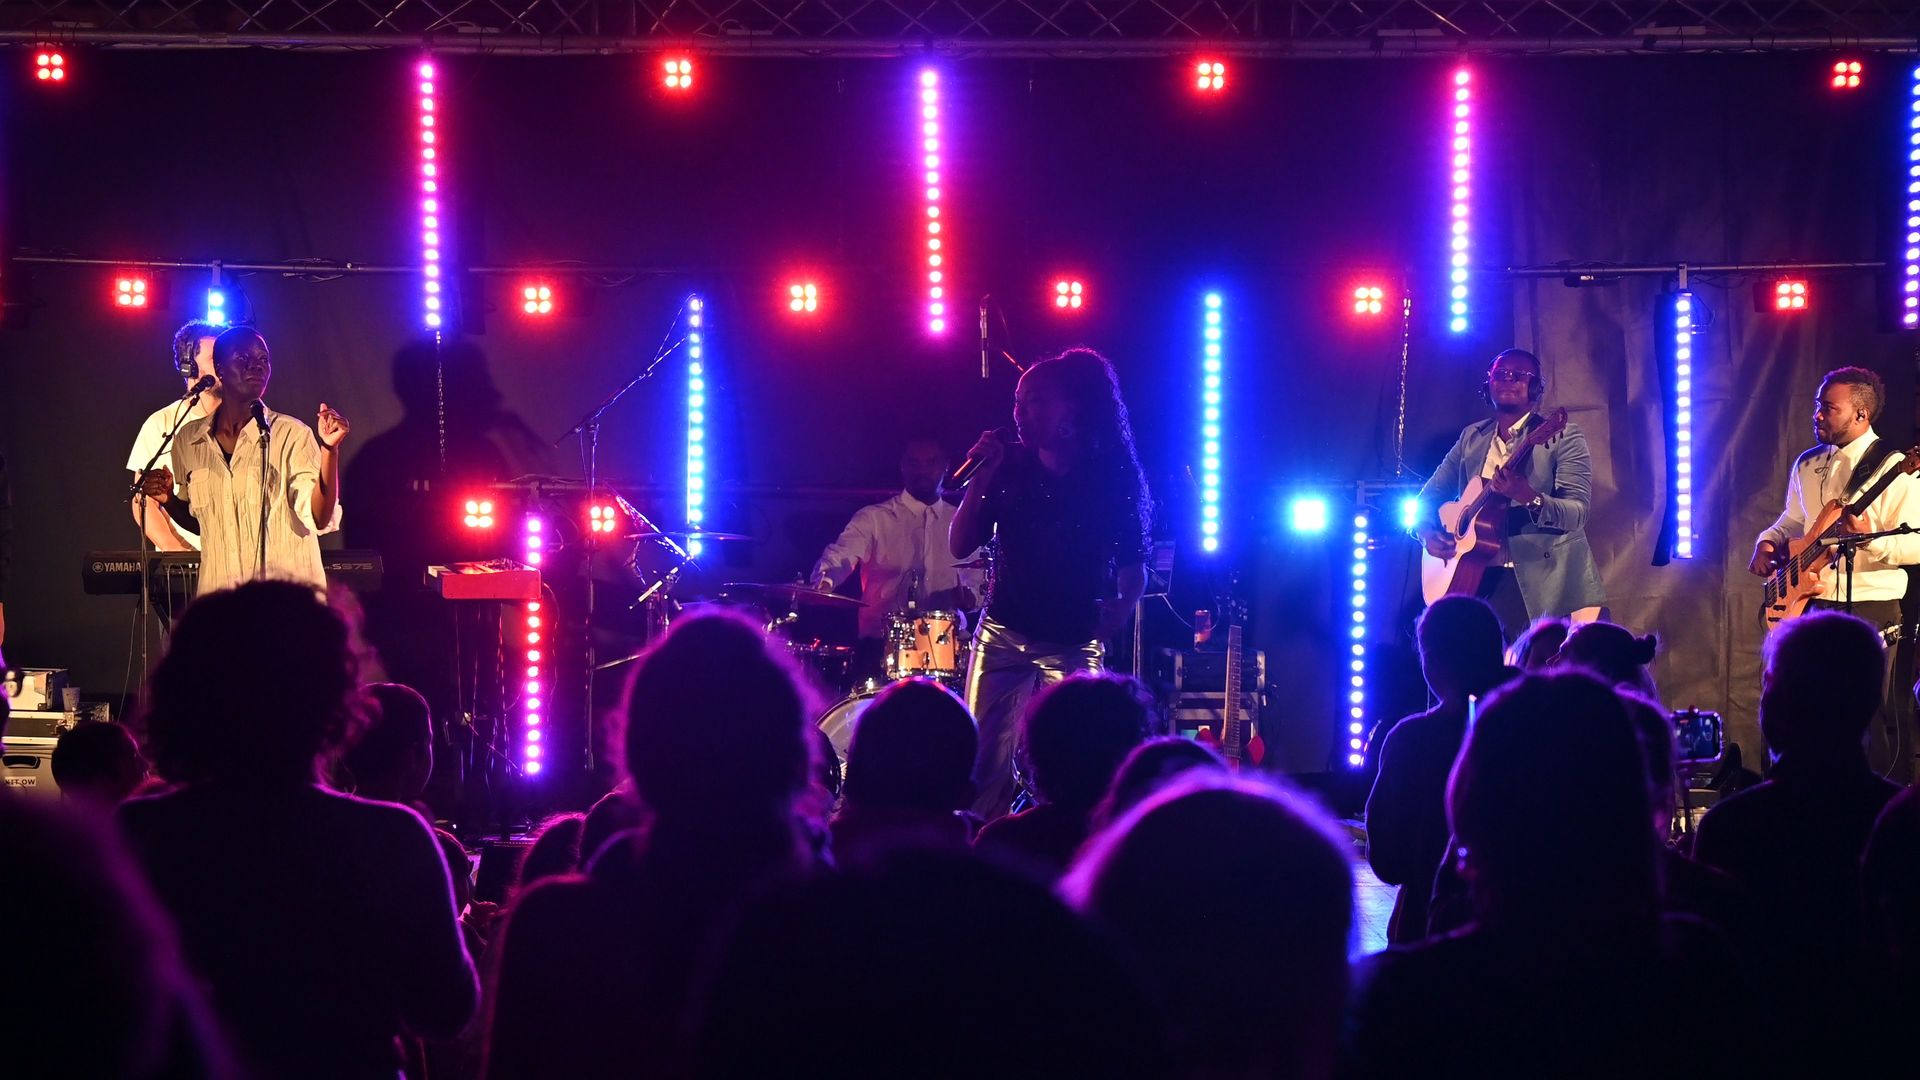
(1536, 502)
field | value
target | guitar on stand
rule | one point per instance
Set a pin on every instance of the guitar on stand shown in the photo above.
(1477, 524)
(1795, 583)
(1239, 737)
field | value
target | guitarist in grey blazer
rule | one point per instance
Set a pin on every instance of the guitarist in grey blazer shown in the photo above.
(1548, 565)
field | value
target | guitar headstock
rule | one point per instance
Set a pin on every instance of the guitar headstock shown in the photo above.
(1549, 427)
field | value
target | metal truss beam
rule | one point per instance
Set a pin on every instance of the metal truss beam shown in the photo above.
(878, 28)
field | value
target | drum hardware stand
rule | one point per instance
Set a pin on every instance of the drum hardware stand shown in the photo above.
(588, 428)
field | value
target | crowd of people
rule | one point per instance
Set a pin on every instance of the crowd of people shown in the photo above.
(272, 902)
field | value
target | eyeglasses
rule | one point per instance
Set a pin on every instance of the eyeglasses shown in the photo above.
(1510, 375)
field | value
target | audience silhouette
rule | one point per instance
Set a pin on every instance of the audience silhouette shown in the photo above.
(909, 771)
(323, 924)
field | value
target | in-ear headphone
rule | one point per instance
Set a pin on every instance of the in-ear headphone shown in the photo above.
(186, 346)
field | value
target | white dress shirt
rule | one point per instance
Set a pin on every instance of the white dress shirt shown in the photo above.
(1823, 474)
(225, 497)
(151, 432)
(897, 545)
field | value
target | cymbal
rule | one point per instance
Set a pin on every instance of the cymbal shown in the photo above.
(685, 536)
(787, 594)
(974, 564)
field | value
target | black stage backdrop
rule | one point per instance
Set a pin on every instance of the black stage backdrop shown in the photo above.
(1277, 195)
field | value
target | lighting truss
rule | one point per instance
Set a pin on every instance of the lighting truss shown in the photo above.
(961, 27)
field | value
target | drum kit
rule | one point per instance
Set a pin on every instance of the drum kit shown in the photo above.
(928, 644)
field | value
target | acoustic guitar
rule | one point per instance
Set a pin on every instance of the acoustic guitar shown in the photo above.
(1796, 582)
(1477, 524)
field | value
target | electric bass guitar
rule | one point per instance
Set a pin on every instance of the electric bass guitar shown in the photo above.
(1477, 524)
(1796, 581)
(1239, 738)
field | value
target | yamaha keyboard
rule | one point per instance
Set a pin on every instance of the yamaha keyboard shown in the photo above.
(114, 573)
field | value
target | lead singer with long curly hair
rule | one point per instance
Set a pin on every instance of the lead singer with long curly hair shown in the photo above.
(1068, 510)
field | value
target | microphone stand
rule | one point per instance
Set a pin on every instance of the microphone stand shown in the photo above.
(146, 569)
(1847, 544)
(265, 435)
(588, 428)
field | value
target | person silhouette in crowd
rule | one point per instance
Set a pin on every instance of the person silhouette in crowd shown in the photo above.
(98, 764)
(909, 770)
(1795, 841)
(555, 851)
(96, 984)
(1075, 734)
(941, 963)
(323, 924)
(391, 757)
(595, 971)
(1407, 832)
(1612, 652)
(1212, 852)
(1567, 968)
(1151, 766)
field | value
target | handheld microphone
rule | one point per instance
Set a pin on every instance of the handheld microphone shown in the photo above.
(259, 411)
(959, 477)
(205, 384)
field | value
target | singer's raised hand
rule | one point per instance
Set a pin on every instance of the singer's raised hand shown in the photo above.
(989, 452)
(332, 428)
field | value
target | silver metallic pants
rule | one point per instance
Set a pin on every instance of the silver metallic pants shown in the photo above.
(1007, 668)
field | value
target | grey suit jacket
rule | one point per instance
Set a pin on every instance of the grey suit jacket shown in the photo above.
(1552, 562)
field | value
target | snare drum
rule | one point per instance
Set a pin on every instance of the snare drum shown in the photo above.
(838, 722)
(925, 643)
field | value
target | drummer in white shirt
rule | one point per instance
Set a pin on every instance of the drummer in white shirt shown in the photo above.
(898, 547)
(192, 359)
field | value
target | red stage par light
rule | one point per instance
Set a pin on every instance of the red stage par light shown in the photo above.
(1369, 300)
(602, 518)
(537, 298)
(803, 298)
(49, 65)
(479, 514)
(1783, 295)
(132, 291)
(1846, 75)
(679, 72)
(1068, 295)
(1210, 75)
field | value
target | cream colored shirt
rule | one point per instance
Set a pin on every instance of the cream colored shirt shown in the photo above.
(1823, 474)
(225, 497)
(151, 432)
(898, 546)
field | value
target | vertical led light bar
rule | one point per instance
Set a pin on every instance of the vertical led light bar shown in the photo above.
(930, 159)
(1459, 220)
(696, 420)
(430, 197)
(1357, 663)
(1682, 329)
(1210, 440)
(532, 751)
(1910, 278)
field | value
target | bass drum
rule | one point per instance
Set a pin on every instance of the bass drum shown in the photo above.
(838, 723)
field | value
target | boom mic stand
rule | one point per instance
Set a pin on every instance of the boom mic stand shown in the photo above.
(588, 428)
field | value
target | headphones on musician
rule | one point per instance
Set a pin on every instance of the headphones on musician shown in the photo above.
(186, 346)
(1536, 386)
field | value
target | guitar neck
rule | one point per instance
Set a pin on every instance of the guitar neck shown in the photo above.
(1230, 715)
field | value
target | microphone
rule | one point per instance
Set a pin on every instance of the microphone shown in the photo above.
(259, 410)
(205, 384)
(959, 477)
(983, 341)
